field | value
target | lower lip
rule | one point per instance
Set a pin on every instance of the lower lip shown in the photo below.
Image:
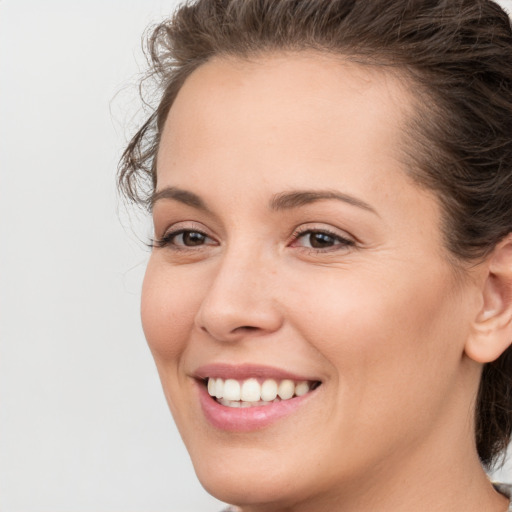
(245, 419)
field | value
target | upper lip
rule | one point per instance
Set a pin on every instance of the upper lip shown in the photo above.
(246, 371)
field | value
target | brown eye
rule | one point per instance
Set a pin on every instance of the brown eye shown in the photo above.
(321, 240)
(183, 239)
(189, 238)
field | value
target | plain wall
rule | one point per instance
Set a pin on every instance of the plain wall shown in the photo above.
(83, 422)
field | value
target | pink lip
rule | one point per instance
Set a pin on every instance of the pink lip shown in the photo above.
(236, 419)
(246, 419)
(246, 371)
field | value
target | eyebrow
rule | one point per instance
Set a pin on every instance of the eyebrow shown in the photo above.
(282, 201)
(180, 195)
(295, 199)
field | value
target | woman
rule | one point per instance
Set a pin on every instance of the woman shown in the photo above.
(329, 294)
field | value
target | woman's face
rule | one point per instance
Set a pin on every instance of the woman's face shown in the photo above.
(292, 246)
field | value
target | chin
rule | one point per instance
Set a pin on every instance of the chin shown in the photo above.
(247, 485)
(240, 475)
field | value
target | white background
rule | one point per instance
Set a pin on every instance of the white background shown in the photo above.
(83, 422)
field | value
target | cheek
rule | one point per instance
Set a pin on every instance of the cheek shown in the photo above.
(392, 338)
(384, 311)
(168, 309)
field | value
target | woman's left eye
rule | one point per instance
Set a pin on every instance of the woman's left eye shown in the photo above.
(190, 238)
(318, 240)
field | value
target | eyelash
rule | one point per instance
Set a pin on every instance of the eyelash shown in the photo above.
(167, 240)
(342, 242)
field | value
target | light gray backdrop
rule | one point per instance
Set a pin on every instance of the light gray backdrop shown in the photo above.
(83, 422)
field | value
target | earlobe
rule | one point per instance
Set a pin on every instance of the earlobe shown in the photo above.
(491, 332)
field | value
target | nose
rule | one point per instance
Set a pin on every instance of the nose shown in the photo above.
(241, 300)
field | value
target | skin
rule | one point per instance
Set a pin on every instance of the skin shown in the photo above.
(383, 320)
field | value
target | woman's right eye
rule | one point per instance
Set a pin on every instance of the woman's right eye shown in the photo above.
(184, 238)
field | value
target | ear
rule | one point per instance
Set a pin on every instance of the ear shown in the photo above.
(491, 332)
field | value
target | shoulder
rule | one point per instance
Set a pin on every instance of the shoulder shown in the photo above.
(505, 489)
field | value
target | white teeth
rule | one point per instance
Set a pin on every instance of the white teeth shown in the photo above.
(219, 388)
(286, 389)
(300, 389)
(231, 403)
(269, 390)
(250, 393)
(211, 387)
(231, 390)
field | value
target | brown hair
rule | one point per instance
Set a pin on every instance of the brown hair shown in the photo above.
(457, 54)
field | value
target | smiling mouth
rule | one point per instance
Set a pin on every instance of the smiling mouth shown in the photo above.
(255, 392)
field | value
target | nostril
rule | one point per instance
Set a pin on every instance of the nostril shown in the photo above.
(245, 329)
(240, 329)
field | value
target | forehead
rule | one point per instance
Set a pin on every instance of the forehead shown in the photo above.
(284, 111)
